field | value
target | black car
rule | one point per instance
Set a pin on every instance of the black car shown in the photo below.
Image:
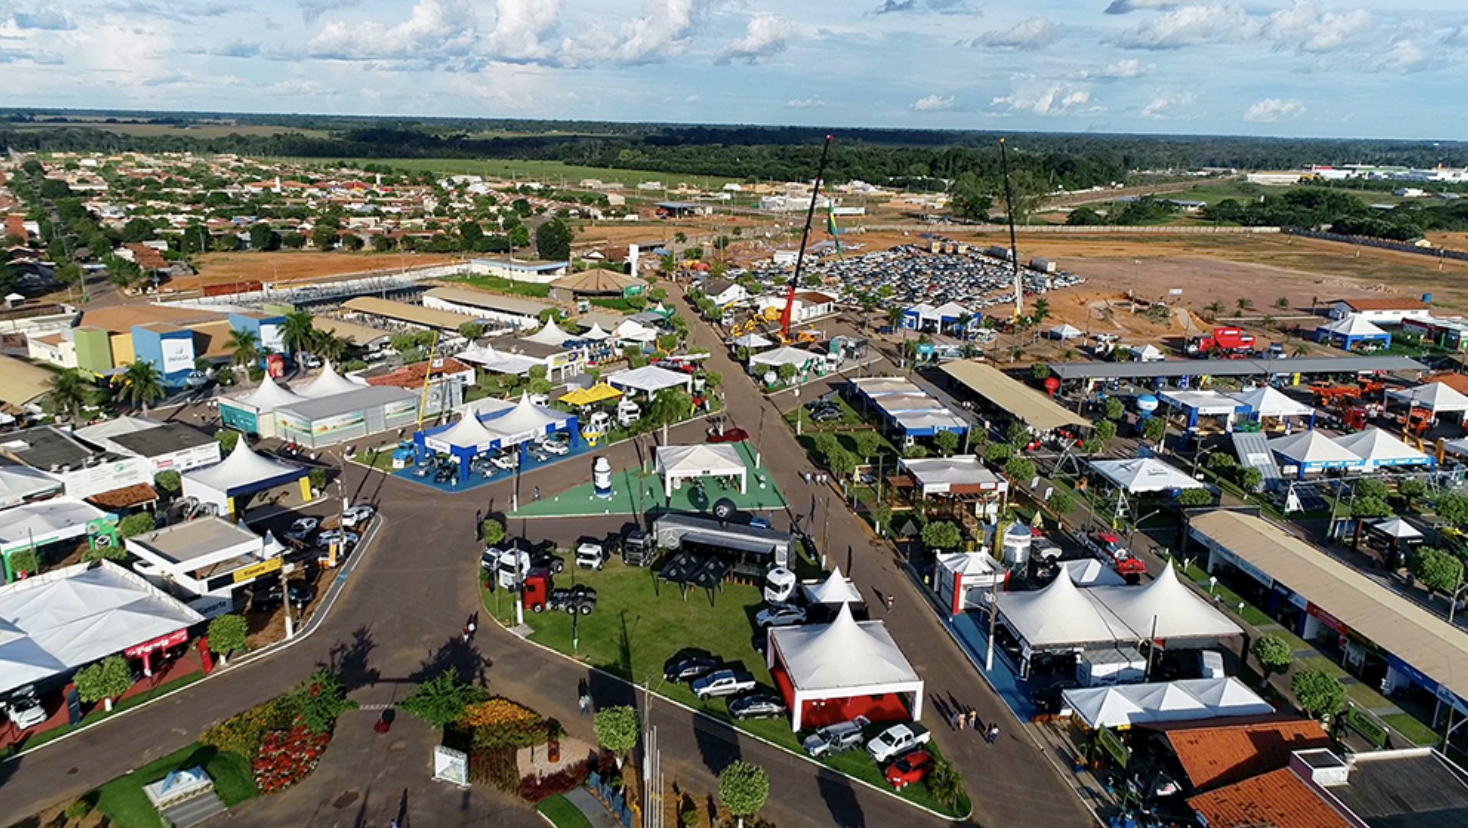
(827, 415)
(757, 706)
(693, 667)
(301, 594)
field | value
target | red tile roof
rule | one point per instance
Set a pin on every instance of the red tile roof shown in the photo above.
(1218, 756)
(15, 226)
(1455, 381)
(134, 495)
(1373, 304)
(411, 376)
(146, 257)
(1277, 800)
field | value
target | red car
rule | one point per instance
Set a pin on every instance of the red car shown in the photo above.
(728, 435)
(909, 768)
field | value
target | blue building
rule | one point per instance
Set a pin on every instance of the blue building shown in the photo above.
(169, 347)
(269, 329)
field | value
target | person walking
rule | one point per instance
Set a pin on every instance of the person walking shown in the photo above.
(992, 735)
(472, 628)
(584, 703)
(973, 720)
(889, 601)
(466, 633)
(958, 720)
(537, 493)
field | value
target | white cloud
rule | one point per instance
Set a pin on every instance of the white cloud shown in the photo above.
(764, 37)
(295, 86)
(1128, 6)
(932, 103)
(1187, 26)
(235, 48)
(1026, 36)
(1403, 56)
(1273, 110)
(663, 33)
(435, 29)
(804, 103)
(1158, 108)
(1305, 26)
(40, 57)
(50, 20)
(521, 28)
(1122, 69)
(1051, 99)
(953, 7)
(312, 9)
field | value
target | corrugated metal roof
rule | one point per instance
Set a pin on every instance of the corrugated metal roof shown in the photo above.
(1035, 409)
(403, 312)
(488, 301)
(1232, 367)
(1400, 627)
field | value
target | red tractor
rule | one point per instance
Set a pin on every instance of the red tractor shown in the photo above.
(1229, 343)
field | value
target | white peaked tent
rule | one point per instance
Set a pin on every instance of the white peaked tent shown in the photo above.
(21, 483)
(329, 384)
(1165, 609)
(1147, 353)
(270, 395)
(1377, 448)
(45, 521)
(499, 362)
(836, 589)
(70, 617)
(1396, 528)
(784, 356)
(549, 334)
(241, 474)
(596, 334)
(1089, 572)
(1435, 397)
(1173, 701)
(525, 422)
(1312, 451)
(1065, 331)
(676, 463)
(633, 331)
(468, 434)
(1060, 616)
(1351, 328)
(649, 379)
(1144, 474)
(752, 340)
(844, 659)
(1266, 401)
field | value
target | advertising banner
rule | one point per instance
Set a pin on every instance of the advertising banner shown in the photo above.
(178, 355)
(173, 639)
(253, 571)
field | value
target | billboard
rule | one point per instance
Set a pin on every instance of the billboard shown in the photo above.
(178, 355)
(272, 336)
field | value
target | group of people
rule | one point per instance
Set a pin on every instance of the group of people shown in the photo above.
(970, 720)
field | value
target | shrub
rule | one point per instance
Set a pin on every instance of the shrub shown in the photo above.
(443, 699)
(25, 560)
(535, 788)
(945, 783)
(1273, 653)
(288, 756)
(1020, 470)
(317, 476)
(136, 524)
(169, 481)
(497, 723)
(1194, 497)
(227, 633)
(107, 679)
(492, 531)
(80, 808)
(617, 729)
(1061, 501)
(1318, 693)
(495, 766)
(743, 788)
(942, 534)
(243, 734)
(322, 698)
(996, 452)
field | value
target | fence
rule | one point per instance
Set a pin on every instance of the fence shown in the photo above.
(1066, 229)
(614, 800)
(1383, 244)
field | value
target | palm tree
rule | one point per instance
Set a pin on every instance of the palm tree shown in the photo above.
(142, 385)
(298, 332)
(1213, 309)
(1244, 303)
(894, 316)
(868, 304)
(964, 320)
(1041, 310)
(68, 393)
(329, 346)
(246, 348)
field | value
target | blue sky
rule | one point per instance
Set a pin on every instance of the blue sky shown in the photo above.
(1374, 68)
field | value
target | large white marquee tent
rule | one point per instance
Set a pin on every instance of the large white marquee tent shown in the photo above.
(677, 463)
(1127, 705)
(230, 483)
(1143, 475)
(649, 379)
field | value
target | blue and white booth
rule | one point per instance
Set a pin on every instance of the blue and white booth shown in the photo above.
(1267, 402)
(501, 427)
(1379, 449)
(1311, 452)
(1195, 404)
(1350, 332)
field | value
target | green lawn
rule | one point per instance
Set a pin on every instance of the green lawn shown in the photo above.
(551, 172)
(639, 624)
(98, 713)
(1410, 727)
(126, 806)
(502, 285)
(1363, 695)
(562, 814)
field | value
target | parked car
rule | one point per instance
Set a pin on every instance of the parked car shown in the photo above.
(590, 556)
(508, 460)
(723, 683)
(757, 706)
(728, 435)
(272, 595)
(25, 710)
(445, 474)
(827, 415)
(779, 617)
(693, 667)
(357, 515)
(337, 536)
(909, 768)
(558, 447)
(310, 361)
(301, 528)
(897, 740)
(836, 738)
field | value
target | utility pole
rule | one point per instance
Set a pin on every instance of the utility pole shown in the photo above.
(994, 619)
(1019, 292)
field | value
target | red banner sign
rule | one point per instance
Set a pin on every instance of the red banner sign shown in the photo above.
(173, 639)
(1328, 620)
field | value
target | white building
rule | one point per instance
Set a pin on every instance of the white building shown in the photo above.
(1388, 311)
(205, 556)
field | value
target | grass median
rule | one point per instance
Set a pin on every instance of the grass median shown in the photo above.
(127, 806)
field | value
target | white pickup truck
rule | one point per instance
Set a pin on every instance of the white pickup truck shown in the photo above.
(897, 740)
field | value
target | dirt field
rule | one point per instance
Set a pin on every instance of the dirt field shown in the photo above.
(227, 268)
(1451, 241)
(205, 130)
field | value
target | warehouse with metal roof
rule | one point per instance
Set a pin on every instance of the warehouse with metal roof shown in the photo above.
(1002, 391)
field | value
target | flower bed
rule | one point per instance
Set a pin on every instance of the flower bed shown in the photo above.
(288, 756)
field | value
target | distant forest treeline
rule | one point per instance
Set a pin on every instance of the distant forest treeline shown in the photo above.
(889, 156)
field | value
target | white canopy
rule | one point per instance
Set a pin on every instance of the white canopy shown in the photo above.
(676, 463)
(1434, 396)
(329, 384)
(1060, 615)
(1353, 326)
(752, 340)
(1144, 474)
(1167, 607)
(71, 617)
(834, 590)
(45, 521)
(20, 483)
(1065, 331)
(842, 659)
(937, 475)
(784, 356)
(549, 334)
(1312, 448)
(525, 422)
(242, 470)
(269, 395)
(1207, 403)
(595, 334)
(1396, 528)
(1172, 701)
(634, 331)
(1378, 448)
(499, 362)
(467, 433)
(1267, 401)
(649, 379)
(1089, 572)
(1147, 353)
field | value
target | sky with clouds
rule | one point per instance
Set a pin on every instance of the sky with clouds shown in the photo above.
(1368, 68)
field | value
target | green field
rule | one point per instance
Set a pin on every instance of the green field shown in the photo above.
(556, 173)
(126, 806)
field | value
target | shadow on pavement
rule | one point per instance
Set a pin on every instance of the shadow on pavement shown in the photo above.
(718, 745)
(349, 660)
(458, 655)
(840, 800)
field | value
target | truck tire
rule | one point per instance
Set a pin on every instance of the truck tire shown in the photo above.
(585, 609)
(724, 508)
(538, 608)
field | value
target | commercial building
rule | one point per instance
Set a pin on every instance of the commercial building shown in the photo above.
(414, 316)
(538, 272)
(207, 556)
(1388, 310)
(595, 282)
(269, 329)
(505, 310)
(169, 446)
(907, 411)
(1003, 394)
(962, 479)
(806, 306)
(328, 410)
(229, 485)
(39, 524)
(84, 471)
(21, 385)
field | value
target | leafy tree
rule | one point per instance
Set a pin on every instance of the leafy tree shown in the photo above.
(262, 237)
(1156, 427)
(142, 385)
(492, 532)
(842, 463)
(382, 243)
(743, 789)
(1370, 487)
(868, 443)
(1453, 508)
(786, 373)
(1020, 469)
(996, 452)
(68, 392)
(1040, 371)
(323, 698)
(136, 524)
(244, 346)
(915, 451)
(323, 237)
(1282, 302)
(617, 729)
(945, 783)
(471, 330)
(1019, 435)
(947, 441)
(1318, 693)
(942, 534)
(1115, 409)
(1102, 435)
(970, 197)
(25, 560)
(1250, 478)
(228, 438)
(441, 700)
(294, 240)
(1273, 653)
(105, 680)
(317, 477)
(1437, 570)
(351, 241)
(553, 240)
(227, 634)
(1411, 490)
(1195, 497)
(1369, 507)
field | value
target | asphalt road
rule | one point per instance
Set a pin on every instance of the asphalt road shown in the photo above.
(398, 618)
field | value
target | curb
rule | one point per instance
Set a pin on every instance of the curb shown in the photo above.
(741, 732)
(333, 592)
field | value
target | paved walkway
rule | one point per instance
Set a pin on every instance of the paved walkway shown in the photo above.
(593, 810)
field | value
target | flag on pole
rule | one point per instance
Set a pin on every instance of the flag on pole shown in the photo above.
(831, 226)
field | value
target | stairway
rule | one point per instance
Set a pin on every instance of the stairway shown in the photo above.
(193, 811)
